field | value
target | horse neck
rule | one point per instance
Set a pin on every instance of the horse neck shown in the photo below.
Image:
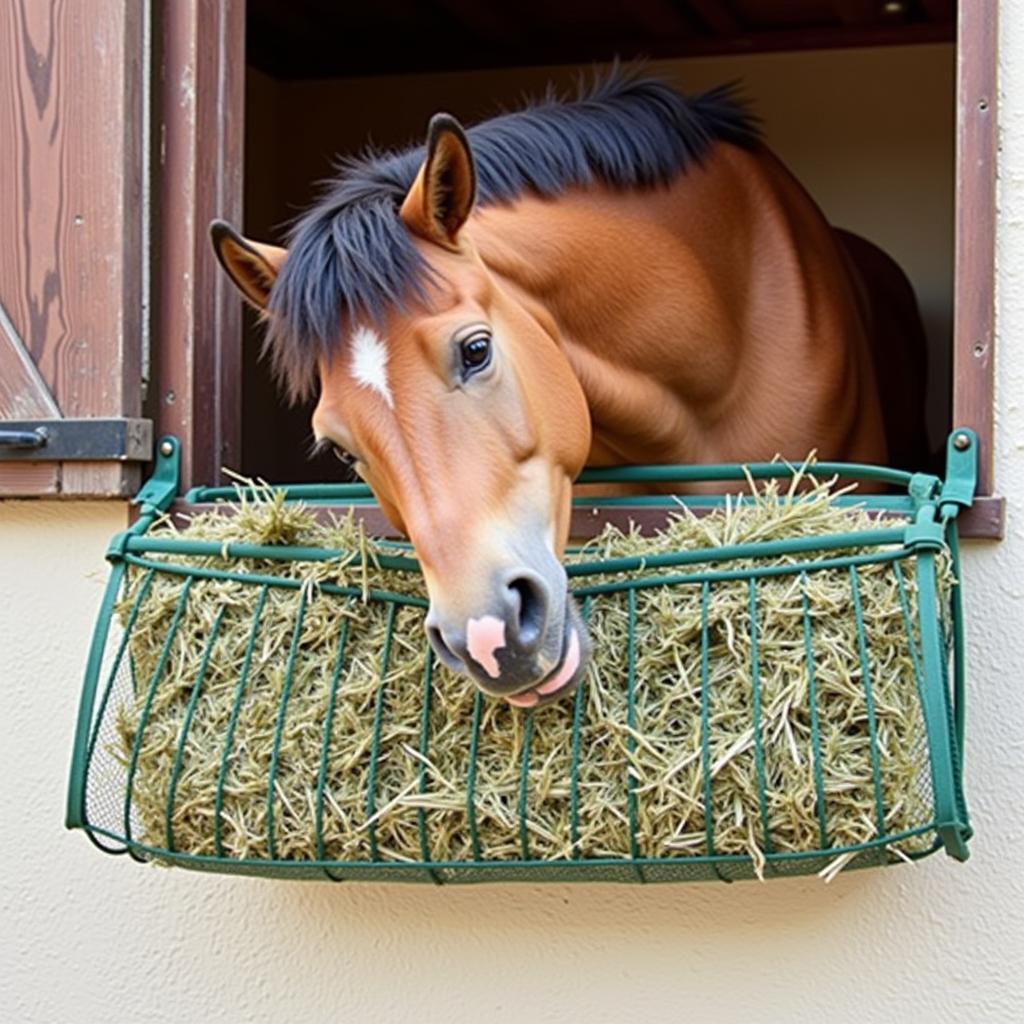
(628, 286)
(690, 313)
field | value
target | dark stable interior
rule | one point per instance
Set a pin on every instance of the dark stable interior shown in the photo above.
(325, 79)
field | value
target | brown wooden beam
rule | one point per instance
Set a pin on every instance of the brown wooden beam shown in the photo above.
(859, 12)
(940, 10)
(873, 12)
(717, 16)
(367, 61)
(197, 357)
(974, 276)
(491, 23)
(660, 17)
(984, 520)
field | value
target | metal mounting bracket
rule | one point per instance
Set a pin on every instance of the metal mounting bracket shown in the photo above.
(961, 479)
(160, 490)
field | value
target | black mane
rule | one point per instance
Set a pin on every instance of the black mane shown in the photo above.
(350, 257)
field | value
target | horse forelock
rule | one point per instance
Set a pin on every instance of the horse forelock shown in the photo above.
(352, 260)
(346, 266)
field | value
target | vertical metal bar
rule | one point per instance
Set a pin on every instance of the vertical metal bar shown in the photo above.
(755, 666)
(186, 725)
(421, 814)
(378, 718)
(915, 659)
(229, 737)
(634, 847)
(870, 703)
(140, 599)
(474, 743)
(133, 761)
(325, 743)
(812, 700)
(129, 625)
(574, 768)
(524, 780)
(912, 645)
(959, 668)
(705, 728)
(952, 830)
(76, 813)
(282, 709)
(957, 611)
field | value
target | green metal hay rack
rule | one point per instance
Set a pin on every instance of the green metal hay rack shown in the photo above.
(916, 526)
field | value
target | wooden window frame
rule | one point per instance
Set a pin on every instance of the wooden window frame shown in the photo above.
(197, 351)
(974, 274)
(198, 334)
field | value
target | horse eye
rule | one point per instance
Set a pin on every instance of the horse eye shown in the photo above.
(343, 456)
(476, 353)
(337, 451)
(323, 445)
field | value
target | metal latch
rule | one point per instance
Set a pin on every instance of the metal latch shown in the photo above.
(76, 440)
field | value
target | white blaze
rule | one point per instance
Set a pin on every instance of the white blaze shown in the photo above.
(369, 364)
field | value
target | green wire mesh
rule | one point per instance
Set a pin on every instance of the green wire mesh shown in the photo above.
(102, 796)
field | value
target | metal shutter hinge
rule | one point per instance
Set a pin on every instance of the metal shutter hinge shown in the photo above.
(76, 440)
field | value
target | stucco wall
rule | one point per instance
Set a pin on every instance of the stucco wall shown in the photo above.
(84, 937)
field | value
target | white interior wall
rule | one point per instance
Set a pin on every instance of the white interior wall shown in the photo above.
(85, 937)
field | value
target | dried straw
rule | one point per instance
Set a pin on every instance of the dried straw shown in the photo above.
(656, 765)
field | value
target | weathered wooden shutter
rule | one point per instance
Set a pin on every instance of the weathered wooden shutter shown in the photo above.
(72, 261)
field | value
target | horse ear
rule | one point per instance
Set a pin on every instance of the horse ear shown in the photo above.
(252, 266)
(442, 196)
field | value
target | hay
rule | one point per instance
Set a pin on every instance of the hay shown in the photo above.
(324, 766)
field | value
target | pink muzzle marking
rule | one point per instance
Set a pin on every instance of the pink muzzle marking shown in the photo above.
(484, 636)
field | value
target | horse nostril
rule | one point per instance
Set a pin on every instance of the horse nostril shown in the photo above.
(444, 652)
(529, 611)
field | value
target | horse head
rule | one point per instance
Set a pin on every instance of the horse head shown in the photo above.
(462, 413)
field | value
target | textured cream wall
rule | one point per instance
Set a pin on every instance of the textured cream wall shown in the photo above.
(84, 937)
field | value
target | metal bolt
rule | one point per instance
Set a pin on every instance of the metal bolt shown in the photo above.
(166, 449)
(961, 442)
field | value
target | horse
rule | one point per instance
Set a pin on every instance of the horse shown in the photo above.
(627, 276)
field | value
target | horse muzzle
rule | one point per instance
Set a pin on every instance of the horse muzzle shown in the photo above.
(529, 646)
